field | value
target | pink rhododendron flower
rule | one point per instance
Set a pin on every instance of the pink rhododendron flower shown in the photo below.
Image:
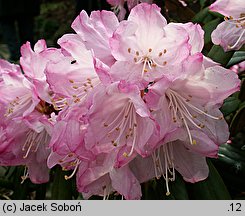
(22, 145)
(76, 72)
(23, 109)
(146, 45)
(98, 27)
(18, 94)
(196, 36)
(165, 160)
(34, 65)
(67, 142)
(124, 116)
(192, 103)
(100, 178)
(228, 7)
(230, 34)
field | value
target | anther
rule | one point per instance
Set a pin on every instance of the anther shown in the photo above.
(125, 154)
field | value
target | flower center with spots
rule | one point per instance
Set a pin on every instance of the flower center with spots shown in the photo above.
(123, 128)
(239, 23)
(79, 91)
(18, 104)
(149, 60)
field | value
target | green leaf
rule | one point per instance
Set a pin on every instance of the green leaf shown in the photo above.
(20, 189)
(178, 189)
(217, 54)
(61, 188)
(230, 105)
(238, 57)
(213, 188)
(156, 189)
(238, 122)
(200, 16)
(230, 151)
(203, 3)
(6, 184)
(41, 192)
(208, 29)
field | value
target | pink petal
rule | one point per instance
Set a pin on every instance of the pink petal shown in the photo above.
(191, 166)
(228, 8)
(124, 181)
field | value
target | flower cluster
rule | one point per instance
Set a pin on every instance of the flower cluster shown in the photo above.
(118, 104)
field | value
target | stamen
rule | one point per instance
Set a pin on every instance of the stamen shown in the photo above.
(168, 173)
(106, 195)
(18, 103)
(180, 109)
(33, 141)
(238, 40)
(76, 164)
(25, 176)
(124, 126)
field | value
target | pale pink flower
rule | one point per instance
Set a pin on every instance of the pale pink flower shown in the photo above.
(76, 72)
(228, 8)
(95, 32)
(168, 158)
(192, 104)
(18, 94)
(96, 174)
(22, 119)
(34, 62)
(194, 100)
(230, 34)
(117, 116)
(67, 142)
(21, 145)
(196, 36)
(146, 47)
(99, 177)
